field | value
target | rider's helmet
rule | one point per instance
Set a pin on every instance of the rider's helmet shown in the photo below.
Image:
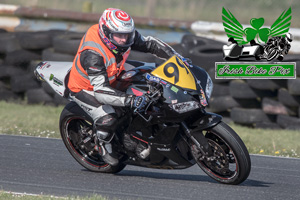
(115, 21)
(289, 37)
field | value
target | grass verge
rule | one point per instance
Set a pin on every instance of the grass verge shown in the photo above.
(18, 196)
(42, 121)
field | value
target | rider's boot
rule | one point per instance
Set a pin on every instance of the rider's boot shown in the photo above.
(105, 148)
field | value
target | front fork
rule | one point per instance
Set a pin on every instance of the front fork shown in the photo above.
(198, 138)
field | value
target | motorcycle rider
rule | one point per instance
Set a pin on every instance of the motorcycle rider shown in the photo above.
(279, 41)
(100, 58)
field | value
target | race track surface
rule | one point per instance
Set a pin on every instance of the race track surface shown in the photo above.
(40, 165)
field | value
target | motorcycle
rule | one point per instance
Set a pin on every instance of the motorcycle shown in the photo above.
(172, 132)
(275, 52)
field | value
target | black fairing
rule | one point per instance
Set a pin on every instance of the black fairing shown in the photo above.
(162, 131)
(206, 121)
(202, 76)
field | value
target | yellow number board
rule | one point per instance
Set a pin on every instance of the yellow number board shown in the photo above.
(176, 72)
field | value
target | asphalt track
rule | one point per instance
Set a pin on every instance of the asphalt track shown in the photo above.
(44, 166)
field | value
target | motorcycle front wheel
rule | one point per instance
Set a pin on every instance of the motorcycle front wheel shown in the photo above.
(231, 162)
(77, 134)
(273, 53)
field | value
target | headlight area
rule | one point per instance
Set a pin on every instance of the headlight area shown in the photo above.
(185, 106)
(209, 87)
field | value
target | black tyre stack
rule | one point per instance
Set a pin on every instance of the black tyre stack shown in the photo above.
(20, 52)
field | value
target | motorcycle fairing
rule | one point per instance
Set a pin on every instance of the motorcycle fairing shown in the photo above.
(206, 121)
(176, 72)
(55, 74)
(163, 141)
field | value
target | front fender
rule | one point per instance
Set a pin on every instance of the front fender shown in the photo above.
(206, 121)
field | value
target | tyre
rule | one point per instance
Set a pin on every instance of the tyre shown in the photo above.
(248, 103)
(67, 43)
(35, 96)
(272, 54)
(9, 42)
(34, 40)
(6, 94)
(76, 129)
(220, 90)
(206, 56)
(241, 90)
(293, 86)
(267, 84)
(248, 116)
(189, 41)
(287, 99)
(232, 164)
(221, 104)
(50, 55)
(21, 57)
(8, 71)
(273, 107)
(288, 122)
(180, 49)
(22, 83)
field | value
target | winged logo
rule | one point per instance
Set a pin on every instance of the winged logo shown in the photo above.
(234, 28)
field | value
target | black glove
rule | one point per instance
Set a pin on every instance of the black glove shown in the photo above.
(139, 102)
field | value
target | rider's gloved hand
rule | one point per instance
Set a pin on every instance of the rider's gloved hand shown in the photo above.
(139, 102)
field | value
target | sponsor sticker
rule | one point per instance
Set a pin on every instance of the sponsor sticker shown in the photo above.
(174, 89)
(153, 78)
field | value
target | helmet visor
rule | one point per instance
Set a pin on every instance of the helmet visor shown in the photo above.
(122, 39)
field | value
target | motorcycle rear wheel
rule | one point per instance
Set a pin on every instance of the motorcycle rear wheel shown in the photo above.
(232, 164)
(75, 127)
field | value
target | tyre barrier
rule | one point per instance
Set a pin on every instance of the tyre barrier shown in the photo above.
(254, 102)
(34, 41)
(9, 42)
(67, 43)
(249, 116)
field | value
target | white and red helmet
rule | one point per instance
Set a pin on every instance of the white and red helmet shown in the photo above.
(116, 21)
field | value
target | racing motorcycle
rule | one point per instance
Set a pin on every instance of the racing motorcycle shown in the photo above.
(275, 52)
(172, 132)
(276, 47)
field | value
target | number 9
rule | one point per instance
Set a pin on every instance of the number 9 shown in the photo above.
(175, 72)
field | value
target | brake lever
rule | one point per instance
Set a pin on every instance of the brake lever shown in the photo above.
(147, 107)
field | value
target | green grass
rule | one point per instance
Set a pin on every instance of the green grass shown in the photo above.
(270, 142)
(42, 121)
(31, 120)
(14, 196)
